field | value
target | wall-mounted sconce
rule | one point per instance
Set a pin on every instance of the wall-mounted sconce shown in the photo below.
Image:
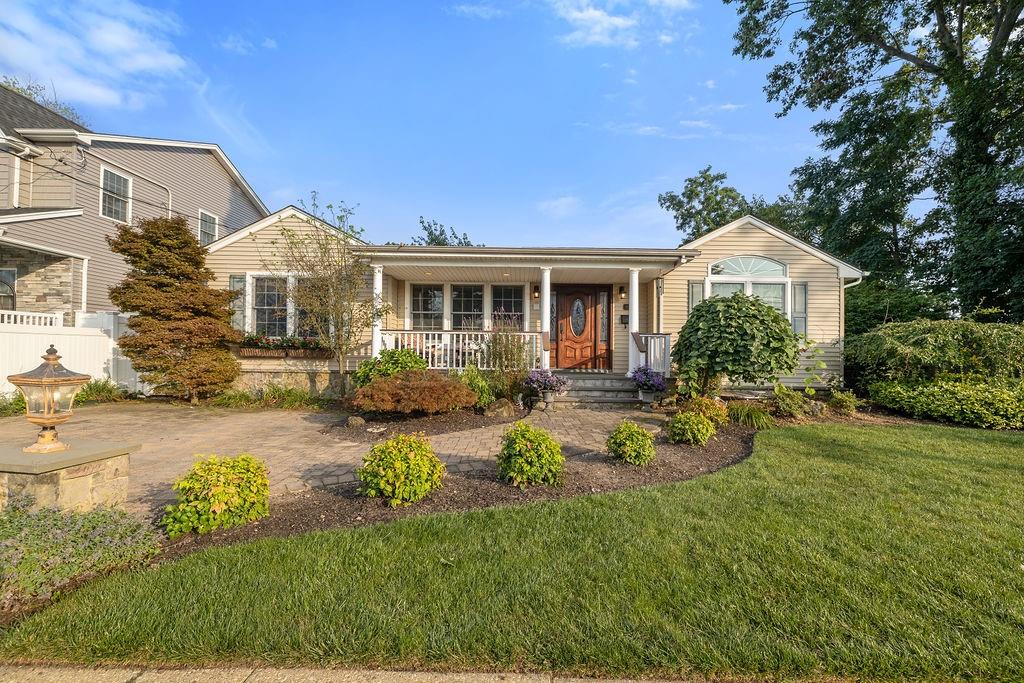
(622, 292)
(536, 291)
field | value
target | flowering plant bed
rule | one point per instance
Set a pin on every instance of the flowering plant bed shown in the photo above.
(253, 352)
(540, 381)
(648, 379)
(261, 341)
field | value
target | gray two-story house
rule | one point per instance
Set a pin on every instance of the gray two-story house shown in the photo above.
(64, 189)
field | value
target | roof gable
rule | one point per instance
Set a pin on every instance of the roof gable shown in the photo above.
(272, 219)
(846, 270)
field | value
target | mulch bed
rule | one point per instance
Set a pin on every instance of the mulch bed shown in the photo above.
(586, 473)
(380, 427)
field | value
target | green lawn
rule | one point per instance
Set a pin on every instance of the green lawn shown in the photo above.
(884, 552)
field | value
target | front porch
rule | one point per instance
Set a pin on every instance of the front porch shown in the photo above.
(572, 309)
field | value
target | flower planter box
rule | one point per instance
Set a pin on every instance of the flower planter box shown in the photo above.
(252, 352)
(310, 353)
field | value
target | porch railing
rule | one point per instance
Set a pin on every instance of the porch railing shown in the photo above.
(654, 349)
(458, 349)
(29, 319)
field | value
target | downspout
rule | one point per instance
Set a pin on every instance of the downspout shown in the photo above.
(85, 285)
(855, 282)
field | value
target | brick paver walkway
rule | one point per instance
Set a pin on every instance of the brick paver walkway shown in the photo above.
(292, 444)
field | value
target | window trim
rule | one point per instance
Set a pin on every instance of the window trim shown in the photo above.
(737, 276)
(131, 191)
(216, 227)
(14, 285)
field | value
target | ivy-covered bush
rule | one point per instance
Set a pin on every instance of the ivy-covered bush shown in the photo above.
(690, 428)
(708, 407)
(388, 363)
(924, 350)
(631, 443)
(219, 493)
(738, 337)
(43, 551)
(964, 402)
(843, 402)
(751, 414)
(478, 384)
(414, 391)
(401, 470)
(529, 455)
(789, 403)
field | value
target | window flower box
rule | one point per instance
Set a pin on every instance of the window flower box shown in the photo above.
(310, 353)
(256, 352)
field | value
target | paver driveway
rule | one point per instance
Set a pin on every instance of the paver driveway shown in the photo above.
(292, 443)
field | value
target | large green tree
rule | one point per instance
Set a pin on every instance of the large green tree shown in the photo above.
(437, 234)
(181, 325)
(932, 101)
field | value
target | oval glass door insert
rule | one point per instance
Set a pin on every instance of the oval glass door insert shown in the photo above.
(578, 317)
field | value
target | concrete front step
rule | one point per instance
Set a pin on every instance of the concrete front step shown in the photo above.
(568, 400)
(625, 394)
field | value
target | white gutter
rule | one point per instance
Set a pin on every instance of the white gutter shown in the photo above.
(855, 282)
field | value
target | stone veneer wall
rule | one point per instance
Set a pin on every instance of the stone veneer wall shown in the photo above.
(319, 377)
(45, 282)
(80, 487)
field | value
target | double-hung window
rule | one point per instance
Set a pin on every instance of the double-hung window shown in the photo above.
(208, 228)
(8, 282)
(467, 307)
(427, 307)
(270, 306)
(507, 307)
(752, 275)
(116, 196)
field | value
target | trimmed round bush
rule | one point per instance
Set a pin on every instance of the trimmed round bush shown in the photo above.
(975, 404)
(790, 403)
(401, 470)
(529, 455)
(709, 408)
(218, 493)
(843, 402)
(690, 428)
(414, 391)
(631, 443)
(388, 363)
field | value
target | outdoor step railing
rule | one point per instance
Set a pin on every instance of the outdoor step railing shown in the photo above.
(30, 319)
(654, 350)
(458, 349)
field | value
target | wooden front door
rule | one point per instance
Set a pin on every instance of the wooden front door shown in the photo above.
(580, 330)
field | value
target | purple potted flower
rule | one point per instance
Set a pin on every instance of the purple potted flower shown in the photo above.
(648, 382)
(546, 384)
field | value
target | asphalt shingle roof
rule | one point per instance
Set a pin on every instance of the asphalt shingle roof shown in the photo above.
(18, 111)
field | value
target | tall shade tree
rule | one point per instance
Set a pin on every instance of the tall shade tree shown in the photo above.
(437, 234)
(951, 71)
(329, 282)
(181, 324)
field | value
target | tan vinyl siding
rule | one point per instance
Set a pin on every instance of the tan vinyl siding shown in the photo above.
(824, 287)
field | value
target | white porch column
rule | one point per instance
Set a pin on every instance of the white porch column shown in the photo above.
(545, 316)
(634, 316)
(378, 300)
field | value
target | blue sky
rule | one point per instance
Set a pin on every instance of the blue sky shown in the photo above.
(541, 122)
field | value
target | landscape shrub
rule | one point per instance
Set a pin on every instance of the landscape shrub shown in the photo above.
(43, 551)
(539, 381)
(928, 349)
(789, 403)
(970, 403)
(631, 443)
(100, 391)
(690, 428)
(12, 404)
(414, 391)
(508, 355)
(709, 408)
(477, 382)
(647, 378)
(401, 470)
(739, 337)
(751, 414)
(388, 363)
(843, 402)
(529, 455)
(270, 396)
(218, 493)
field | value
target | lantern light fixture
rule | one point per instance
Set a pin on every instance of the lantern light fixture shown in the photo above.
(622, 292)
(49, 393)
(536, 291)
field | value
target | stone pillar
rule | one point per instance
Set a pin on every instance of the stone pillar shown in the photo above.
(634, 316)
(87, 475)
(545, 316)
(378, 300)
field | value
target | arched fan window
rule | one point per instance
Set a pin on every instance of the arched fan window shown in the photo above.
(749, 267)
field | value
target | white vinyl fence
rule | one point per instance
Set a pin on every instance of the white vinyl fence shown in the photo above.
(91, 348)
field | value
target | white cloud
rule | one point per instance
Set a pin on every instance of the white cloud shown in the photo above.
(666, 38)
(728, 106)
(594, 26)
(559, 207)
(478, 11)
(671, 5)
(237, 44)
(690, 123)
(269, 44)
(710, 84)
